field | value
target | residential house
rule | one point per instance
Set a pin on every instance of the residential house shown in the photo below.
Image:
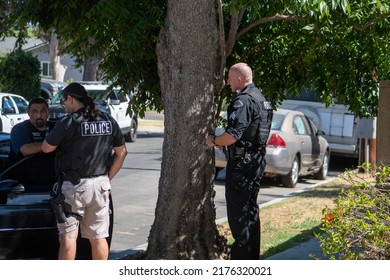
(40, 49)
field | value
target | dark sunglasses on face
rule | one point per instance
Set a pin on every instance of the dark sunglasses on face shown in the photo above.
(63, 101)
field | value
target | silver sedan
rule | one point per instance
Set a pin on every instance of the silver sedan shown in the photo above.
(295, 148)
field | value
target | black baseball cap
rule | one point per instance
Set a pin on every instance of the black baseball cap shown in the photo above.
(75, 90)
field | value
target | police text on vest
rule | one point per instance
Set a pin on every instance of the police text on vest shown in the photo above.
(96, 128)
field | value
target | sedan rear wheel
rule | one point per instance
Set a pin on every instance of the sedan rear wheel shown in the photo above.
(291, 179)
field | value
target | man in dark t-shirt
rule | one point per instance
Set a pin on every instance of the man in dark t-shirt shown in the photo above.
(27, 136)
(26, 139)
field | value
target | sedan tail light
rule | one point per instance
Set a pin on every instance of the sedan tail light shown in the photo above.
(276, 141)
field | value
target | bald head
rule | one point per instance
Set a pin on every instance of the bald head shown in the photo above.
(240, 75)
(243, 70)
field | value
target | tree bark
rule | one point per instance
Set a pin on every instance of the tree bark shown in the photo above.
(189, 70)
(57, 68)
(91, 68)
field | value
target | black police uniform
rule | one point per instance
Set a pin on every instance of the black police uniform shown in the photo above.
(84, 147)
(249, 121)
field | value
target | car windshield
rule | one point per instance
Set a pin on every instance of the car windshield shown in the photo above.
(277, 121)
(56, 99)
(99, 96)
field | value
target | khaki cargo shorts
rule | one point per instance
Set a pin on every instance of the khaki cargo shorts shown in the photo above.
(89, 201)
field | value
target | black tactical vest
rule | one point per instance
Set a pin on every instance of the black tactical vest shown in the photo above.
(88, 151)
(256, 135)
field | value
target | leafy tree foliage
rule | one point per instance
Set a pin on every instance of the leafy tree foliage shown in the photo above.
(20, 74)
(124, 31)
(338, 47)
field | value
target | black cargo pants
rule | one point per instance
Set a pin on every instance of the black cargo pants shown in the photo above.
(242, 187)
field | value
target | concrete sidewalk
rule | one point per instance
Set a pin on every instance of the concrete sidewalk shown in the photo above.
(309, 250)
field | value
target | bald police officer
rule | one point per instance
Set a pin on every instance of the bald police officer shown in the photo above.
(84, 140)
(249, 123)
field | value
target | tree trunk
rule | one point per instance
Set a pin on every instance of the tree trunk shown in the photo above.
(57, 68)
(91, 68)
(189, 65)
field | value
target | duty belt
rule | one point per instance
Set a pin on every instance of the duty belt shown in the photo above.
(238, 153)
(235, 153)
(93, 176)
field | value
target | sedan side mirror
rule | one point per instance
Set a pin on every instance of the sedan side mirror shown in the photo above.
(115, 102)
(9, 185)
(320, 132)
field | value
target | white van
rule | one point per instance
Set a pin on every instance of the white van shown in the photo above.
(339, 124)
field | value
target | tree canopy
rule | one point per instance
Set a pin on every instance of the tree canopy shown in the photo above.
(338, 47)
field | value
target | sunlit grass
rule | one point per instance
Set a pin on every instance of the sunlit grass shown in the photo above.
(294, 220)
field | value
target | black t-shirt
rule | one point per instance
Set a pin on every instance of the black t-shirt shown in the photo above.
(25, 133)
(37, 169)
(84, 146)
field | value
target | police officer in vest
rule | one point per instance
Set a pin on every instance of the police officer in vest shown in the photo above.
(84, 141)
(246, 134)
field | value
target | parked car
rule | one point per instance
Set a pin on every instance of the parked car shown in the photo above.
(27, 225)
(113, 102)
(340, 125)
(49, 88)
(13, 110)
(295, 148)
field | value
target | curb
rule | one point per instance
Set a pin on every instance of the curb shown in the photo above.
(156, 123)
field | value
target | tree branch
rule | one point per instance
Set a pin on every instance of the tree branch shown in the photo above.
(362, 27)
(221, 36)
(256, 23)
(231, 40)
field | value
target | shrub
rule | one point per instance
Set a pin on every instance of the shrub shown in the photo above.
(20, 74)
(359, 226)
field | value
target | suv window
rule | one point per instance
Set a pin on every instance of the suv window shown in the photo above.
(6, 103)
(21, 104)
(121, 97)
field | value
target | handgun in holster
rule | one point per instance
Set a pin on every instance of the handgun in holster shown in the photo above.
(61, 209)
(236, 153)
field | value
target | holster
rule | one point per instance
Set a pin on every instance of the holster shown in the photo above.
(60, 208)
(239, 153)
(235, 153)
